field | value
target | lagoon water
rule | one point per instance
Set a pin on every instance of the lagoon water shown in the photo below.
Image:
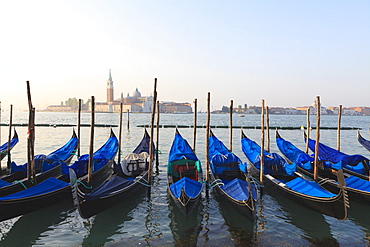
(150, 218)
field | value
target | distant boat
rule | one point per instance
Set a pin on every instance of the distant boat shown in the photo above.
(241, 115)
(4, 148)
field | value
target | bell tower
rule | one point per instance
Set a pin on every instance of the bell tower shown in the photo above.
(110, 97)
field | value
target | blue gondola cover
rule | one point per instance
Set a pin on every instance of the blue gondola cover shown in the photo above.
(237, 189)
(310, 188)
(112, 185)
(358, 183)
(191, 187)
(49, 185)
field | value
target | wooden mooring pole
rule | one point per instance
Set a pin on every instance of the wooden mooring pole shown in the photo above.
(10, 136)
(231, 125)
(120, 133)
(207, 135)
(318, 112)
(79, 128)
(157, 140)
(308, 128)
(91, 149)
(339, 124)
(262, 140)
(151, 151)
(268, 129)
(31, 138)
(195, 123)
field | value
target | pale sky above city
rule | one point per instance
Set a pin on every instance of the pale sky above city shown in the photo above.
(285, 52)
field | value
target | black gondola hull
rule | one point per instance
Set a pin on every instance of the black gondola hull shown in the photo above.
(246, 208)
(25, 183)
(185, 203)
(16, 207)
(335, 207)
(353, 194)
(93, 207)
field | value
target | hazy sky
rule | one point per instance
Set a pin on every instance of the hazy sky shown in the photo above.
(285, 52)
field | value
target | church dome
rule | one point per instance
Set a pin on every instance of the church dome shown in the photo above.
(136, 93)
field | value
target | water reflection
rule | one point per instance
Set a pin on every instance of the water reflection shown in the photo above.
(30, 227)
(105, 225)
(314, 227)
(359, 214)
(242, 230)
(185, 229)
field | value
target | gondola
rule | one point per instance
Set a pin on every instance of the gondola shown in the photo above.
(4, 151)
(57, 189)
(284, 178)
(358, 189)
(46, 166)
(184, 175)
(365, 143)
(356, 165)
(230, 177)
(129, 176)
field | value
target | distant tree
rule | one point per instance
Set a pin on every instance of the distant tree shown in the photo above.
(72, 102)
(245, 107)
(225, 109)
(239, 108)
(85, 106)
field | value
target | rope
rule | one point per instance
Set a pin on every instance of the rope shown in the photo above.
(255, 181)
(5, 153)
(24, 186)
(214, 183)
(87, 187)
(74, 152)
(137, 180)
(325, 180)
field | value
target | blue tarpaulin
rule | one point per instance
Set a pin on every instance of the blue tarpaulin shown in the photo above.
(310, 188)
(112, 185)
(49, 185)
(191, 187)
(237, 189)
(358, 183)
(273, 162)
(180, 149)
(351, 162)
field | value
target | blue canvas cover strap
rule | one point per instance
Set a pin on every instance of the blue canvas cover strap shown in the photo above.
(49, 185)
(310, 188)
(191, 187)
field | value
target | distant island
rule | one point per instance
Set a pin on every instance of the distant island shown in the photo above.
(143, 104)
(356, 111)
(133, 103)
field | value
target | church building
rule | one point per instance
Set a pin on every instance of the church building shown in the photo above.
(134, 103)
